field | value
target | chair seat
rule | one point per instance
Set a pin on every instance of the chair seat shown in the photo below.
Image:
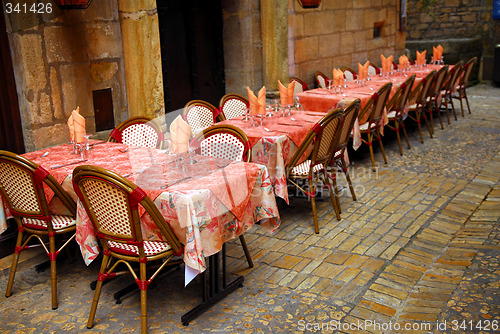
(391, 114)
(303, 169)
(58, 222)
(364, 126)
(151, 248)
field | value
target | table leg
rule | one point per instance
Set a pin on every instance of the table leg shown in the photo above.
(215, 287)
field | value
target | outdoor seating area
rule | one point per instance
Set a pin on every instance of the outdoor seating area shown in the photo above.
(245, 167)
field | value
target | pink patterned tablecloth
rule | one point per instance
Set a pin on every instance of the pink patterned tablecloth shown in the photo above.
(215, 201)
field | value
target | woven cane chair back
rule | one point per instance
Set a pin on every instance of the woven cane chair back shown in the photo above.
(138, 131)
(200, 114)
(373, 69)
(300, 85)
(224, 141)
(350, 115)
(111, 203)
(422, 90)
(467, 70)
(321, 79)
(453, 77)
(349, 73)
(376, 104)
(400, 99)
(438, 83)
(233, 105)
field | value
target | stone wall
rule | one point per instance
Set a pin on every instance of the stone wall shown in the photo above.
(340, 33)
(59, 59)
(465, 27)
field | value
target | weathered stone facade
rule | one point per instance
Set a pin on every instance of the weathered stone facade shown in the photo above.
(340, 33)
(465, 28)
(59, 58)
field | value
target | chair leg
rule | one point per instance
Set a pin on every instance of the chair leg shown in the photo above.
(406, 135)
(445, 102)
(381, 146)
(144, 305)
(13, 267)
(53, 271)
(348, 178)
(370, 145)
(431, 128)
(439, 115)
(334, 195)
(467, 100)
(312, 190)
(453, 108)
(461, 103)
(420, 129)
(428, 126)
(97, 292)
(245, 250)
(396, 127)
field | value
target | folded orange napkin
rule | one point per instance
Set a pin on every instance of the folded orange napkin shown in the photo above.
(78, 125)
(421, 57)
(338, 77)
(403, 62)
(180, 132)
(286, 93)
(363, 70)
(257, 104)
(437, 53)
(71, 128)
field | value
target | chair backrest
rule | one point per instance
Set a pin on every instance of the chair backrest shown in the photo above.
(376, 104)
(437, 85)
(111, 202)
(421, 92)
(399, 100)
(453, 77)
(349, 73)
(201, 114)
(224, 141)
(324, 136)
(373, 69)
(300, 86)
(468, 66)
(233, 105)
(320, 79)
(350, 113)
(21, 185)
(138, 131)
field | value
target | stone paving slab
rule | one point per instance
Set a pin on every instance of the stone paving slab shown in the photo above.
(419, 247)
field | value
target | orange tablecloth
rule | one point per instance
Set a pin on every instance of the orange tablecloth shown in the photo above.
(206, 210)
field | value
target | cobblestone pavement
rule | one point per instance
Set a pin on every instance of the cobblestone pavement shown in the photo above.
(419, 248)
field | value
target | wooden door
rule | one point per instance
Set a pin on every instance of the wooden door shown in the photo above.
(191, 51)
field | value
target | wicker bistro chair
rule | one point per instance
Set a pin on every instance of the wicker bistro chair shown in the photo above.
(462, 84)
(200, 115)
(434, 101)
(396, 107)
(418, 102)
(323, 136)
(228, 142)
(111, 202)
(300, 86)
(233, 105)
(372, 112)
(373, 69)
(138, 131)
(349, 73)
(21, 185)
(321, 79)
(350, 114)
(450, 86)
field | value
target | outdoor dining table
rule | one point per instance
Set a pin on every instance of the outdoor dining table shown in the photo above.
(207, 201)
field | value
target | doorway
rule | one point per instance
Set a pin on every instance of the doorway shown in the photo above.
(192, 51)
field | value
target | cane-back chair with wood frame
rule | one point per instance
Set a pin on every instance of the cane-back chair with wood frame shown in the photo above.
(321, 79)
(349, 73)
(450, 87)
(434, 102)
(200, 114)
(22, 185)
(233, 105)
(419, 101)
(228, 142)
(373, 69)
(112, 202)
(350, 114)
(323, 136)
(138, 131)
(300, 85)
(372, 112)
(462, 85)
(396, 107)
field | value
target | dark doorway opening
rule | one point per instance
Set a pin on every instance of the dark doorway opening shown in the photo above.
(191, 51)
